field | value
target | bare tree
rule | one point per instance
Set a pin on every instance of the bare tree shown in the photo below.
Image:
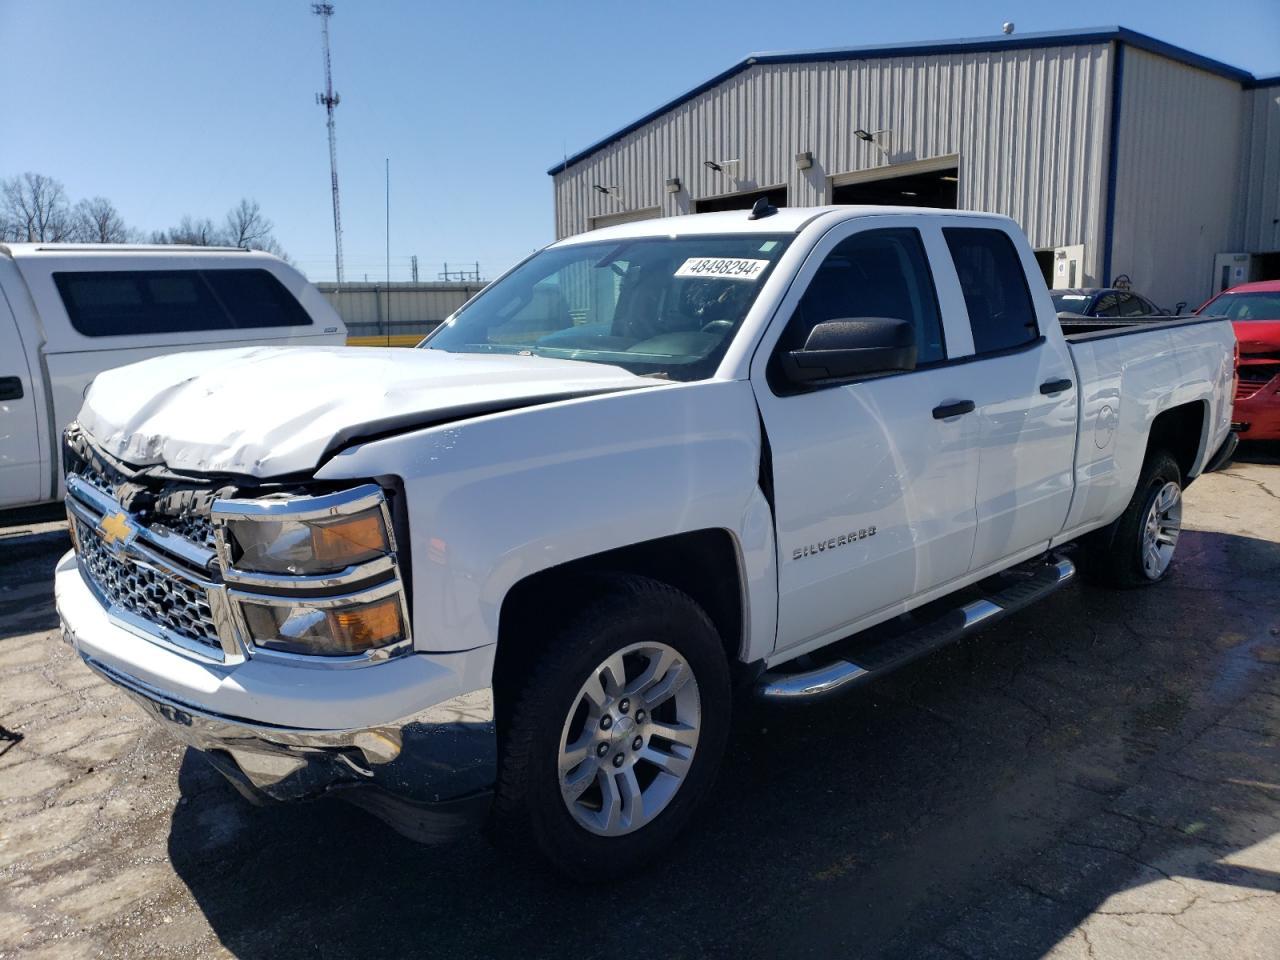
(193, 231)
(98, 221)
(34, 209)
(247, 227)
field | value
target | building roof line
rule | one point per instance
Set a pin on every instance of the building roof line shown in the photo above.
(1062, 38)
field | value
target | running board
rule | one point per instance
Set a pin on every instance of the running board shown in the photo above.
(1037, 581)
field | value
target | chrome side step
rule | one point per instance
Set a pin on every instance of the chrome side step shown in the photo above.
(1037, 580)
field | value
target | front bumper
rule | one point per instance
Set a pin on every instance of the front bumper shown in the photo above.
(1257, 416)
(428, 773)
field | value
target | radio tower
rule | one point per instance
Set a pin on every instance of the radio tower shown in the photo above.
(329, 100)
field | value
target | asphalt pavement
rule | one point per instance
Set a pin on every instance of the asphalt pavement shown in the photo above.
(1098, 776)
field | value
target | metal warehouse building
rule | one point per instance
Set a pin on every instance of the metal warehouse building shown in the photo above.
(1120, 155)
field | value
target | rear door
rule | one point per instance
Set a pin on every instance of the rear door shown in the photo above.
(20, 466)
(1026, 395)
(874, 483)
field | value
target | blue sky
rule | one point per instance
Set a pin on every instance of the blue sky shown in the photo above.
(182, 107)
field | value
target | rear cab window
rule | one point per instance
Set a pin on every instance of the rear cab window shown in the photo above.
(1001, 311)
(114, 303)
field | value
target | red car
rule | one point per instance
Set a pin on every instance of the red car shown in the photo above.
(1254, 309)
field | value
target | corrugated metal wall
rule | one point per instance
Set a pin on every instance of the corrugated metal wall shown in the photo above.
(1177, 176)
(1256, 228)
(400, 308)
(1030, 127)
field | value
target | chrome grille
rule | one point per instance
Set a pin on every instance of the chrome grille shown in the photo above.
(190, 526)
(173, 603)
(96, 479)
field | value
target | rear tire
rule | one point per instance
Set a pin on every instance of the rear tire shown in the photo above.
(1137, 548)
(599, 797)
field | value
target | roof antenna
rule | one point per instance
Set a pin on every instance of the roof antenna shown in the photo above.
(762, 208)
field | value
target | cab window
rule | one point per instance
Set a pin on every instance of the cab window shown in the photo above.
(876, 273)
(994, 283)
(115, 303)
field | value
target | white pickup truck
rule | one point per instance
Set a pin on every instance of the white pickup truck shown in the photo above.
(516, 575)
(70, 311)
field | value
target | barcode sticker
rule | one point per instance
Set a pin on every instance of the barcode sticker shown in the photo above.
(721, 268)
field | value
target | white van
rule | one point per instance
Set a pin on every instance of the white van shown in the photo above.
(68, 312)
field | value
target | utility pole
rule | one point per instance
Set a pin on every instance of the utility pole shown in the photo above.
(413, 265)
(329, 100)
(388, 251)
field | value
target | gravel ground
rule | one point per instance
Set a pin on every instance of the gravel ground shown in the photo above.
(1096, 777)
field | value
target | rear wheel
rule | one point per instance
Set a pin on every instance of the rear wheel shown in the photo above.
(615, 738)
(1137, 549)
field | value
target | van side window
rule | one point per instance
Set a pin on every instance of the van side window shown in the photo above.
(115, 303)
(994, 283)
(875, 273)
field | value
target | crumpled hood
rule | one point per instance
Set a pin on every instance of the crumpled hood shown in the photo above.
(271, 411)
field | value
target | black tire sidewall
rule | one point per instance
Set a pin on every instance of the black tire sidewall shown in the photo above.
(663, 614)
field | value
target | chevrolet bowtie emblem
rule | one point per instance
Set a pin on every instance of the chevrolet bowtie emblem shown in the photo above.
(116, 529)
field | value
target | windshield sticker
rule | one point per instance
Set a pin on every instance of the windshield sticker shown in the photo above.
(722, 268)
(768, 245)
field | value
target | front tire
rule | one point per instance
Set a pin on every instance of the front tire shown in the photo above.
(1137, 548)
(615, 736)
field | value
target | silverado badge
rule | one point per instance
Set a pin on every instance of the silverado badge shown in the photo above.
(813, 549)
(117, 530)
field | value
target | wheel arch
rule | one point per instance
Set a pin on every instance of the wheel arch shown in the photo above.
(706, 564)
(1183, 431)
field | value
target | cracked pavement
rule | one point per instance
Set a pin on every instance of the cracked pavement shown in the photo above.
(1097, 776)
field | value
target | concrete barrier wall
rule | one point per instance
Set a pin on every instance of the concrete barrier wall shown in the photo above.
(401, 313)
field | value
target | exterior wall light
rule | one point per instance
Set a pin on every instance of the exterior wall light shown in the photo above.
(804, 160)
(613, 192)
(673, 185)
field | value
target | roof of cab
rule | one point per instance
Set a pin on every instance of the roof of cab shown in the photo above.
(151, 249)
(785, 220)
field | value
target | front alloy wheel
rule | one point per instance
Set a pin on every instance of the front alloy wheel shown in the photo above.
(629, 739)
(613, 737)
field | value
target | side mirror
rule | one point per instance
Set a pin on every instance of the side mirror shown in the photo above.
(841, 350)
(1179, 307)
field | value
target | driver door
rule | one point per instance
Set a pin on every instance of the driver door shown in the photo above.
(875, 481)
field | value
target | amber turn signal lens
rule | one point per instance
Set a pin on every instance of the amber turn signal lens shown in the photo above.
(372, 625)
(349, 539)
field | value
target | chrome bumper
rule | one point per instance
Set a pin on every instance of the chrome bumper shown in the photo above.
(429, 776)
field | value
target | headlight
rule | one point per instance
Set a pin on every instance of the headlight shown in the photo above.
(326, 631)
(315, 575)
(302, 547)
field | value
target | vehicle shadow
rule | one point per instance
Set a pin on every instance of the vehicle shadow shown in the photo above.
(983, 801)
(1258, 451)
(27, 559)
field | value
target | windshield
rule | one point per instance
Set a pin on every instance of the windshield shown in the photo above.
(665, 306)
(1244, 306)
(1071, 302)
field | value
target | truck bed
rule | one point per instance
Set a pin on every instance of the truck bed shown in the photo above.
(1076, 329)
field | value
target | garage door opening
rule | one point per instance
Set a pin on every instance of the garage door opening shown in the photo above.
(777, 196)
(1044, 260)
(1265, 266)
(931, 188)
(624, 216)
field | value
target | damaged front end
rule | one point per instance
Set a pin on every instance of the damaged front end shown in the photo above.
(267, 624)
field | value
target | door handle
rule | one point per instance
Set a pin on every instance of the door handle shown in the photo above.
(948, 410)
(1055, 386)
(10, 388)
